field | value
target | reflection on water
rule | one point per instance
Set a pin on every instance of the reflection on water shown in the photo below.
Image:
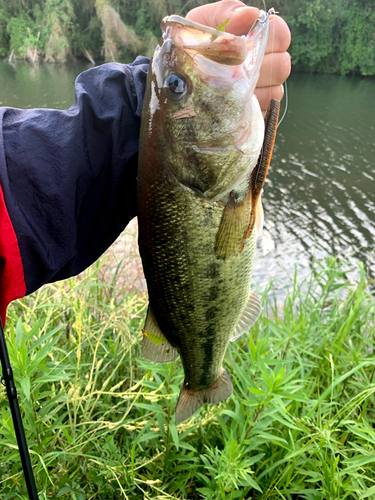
(320, 194)
(319, 198)
(40, 86)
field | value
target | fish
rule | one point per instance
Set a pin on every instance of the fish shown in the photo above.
(204, 154)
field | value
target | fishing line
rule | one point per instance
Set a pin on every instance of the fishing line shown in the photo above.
(286, 103)
(184, 7)
(285, 83)
(272, 52)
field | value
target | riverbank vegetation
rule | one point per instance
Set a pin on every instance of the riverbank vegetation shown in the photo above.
(328, 36)
(99, 418)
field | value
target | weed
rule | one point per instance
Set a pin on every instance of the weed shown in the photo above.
(99, 419)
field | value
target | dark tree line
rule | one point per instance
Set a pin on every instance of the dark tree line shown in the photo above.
(328, 36)
(332, 36)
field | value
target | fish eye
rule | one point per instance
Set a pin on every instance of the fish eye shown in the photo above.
(176, 84)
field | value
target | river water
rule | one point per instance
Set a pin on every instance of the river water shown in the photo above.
(319, 198)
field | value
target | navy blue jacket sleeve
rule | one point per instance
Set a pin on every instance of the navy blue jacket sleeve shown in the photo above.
(69, 177)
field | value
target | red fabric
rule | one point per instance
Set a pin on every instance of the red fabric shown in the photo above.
(12, 282)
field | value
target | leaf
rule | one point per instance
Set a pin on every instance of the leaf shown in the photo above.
(268, 437)
(25, 384)
(45, 337)
(64, 490)
(174, 432)
(357, 462)
(186, 446)
(221, 26)
(254, 390)
(207, 492)
(251, 482)
(19, 333)
(151, 408)
(368, 493)
(337, 381)
(148, 436)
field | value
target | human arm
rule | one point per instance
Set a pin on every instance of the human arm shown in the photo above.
(68, 179)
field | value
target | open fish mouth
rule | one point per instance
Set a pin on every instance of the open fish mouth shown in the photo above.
(222, 60)
(238, 56)
(219, 46)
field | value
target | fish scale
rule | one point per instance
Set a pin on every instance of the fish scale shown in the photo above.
(182, 279)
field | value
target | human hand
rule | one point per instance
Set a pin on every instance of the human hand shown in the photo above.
(275, 67)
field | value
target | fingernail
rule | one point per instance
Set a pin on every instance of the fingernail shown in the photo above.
(241, 9)
(250, 10)
(282, 88)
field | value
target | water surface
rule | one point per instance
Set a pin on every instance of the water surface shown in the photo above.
(40, 86)
(320, 194)
(319, 198)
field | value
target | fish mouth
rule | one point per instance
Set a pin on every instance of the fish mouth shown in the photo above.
(219, 46)
(221, 59)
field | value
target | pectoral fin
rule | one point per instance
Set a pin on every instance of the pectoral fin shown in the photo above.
(155, 347)
(233, 224)
(249, 316)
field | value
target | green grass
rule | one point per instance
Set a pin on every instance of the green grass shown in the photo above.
(99, 419)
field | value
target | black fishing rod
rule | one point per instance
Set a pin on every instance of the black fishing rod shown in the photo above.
(8, 381)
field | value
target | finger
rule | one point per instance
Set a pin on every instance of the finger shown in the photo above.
(265, 94)
(241, 17)
(274, 70)
(279, 35)
(241, 20)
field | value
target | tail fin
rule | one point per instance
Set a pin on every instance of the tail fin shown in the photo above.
(190, 401)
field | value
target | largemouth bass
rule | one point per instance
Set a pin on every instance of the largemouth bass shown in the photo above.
(199, 209)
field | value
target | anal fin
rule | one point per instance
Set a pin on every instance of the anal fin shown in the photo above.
(155, 347)
(249, 316)
(190, 401)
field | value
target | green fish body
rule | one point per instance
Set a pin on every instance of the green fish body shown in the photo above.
(202, 132)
